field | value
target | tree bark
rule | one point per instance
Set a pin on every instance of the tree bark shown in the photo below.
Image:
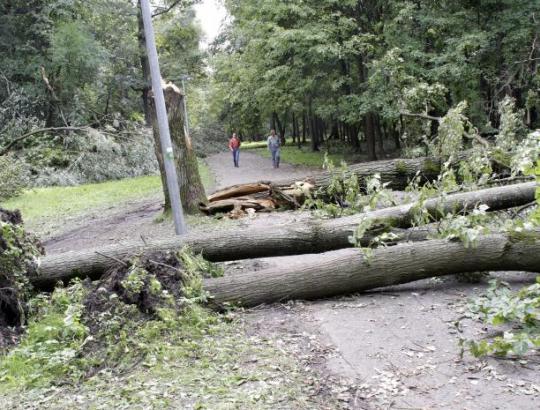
(370, 133)
(145, 66)
(192, 191)
(304, 127)
(348, 270)
(398, 172)
(289, 239)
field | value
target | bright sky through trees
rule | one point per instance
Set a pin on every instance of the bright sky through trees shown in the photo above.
(211, 14)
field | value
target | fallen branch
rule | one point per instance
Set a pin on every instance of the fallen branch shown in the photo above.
(348, 270)
(291, 239)
(6, 149)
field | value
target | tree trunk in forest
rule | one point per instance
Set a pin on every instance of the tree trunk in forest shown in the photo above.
(380, 136)
(145, 65)
(192, 191)
(282, 126)
(347, 271)
(398, 172)
(369, 132)
(314, 135)
(294, 129)
(286, 239)
(304, 128)
(353, 137)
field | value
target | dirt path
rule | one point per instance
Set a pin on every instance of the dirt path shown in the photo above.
(399, 348)
(253, 167)
(141, 219)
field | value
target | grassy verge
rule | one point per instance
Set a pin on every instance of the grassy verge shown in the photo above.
(41, 205)
(206, 363)
(290, 153)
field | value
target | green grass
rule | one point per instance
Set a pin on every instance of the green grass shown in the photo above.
(303, 156)
(259, 144)
(290, 153)
(196, 359)
(52, 201)
(41, 204)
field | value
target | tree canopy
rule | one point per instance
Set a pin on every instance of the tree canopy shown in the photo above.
(355, 70)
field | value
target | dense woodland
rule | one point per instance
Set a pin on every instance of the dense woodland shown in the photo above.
(369, 71)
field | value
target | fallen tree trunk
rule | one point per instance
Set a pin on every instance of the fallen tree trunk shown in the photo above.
(291, 239)
(292, 192)
(347, 271)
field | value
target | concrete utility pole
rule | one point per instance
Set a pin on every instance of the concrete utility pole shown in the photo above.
(163, 122)
(184, 99)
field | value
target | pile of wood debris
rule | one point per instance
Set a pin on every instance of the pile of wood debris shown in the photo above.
(240, 200)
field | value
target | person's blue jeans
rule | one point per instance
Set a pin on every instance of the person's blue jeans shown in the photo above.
(236, 157)
(275, 158)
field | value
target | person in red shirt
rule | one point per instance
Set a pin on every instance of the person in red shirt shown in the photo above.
(234, 146)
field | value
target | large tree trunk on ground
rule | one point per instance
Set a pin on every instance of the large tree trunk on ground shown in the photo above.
(347, 270)
(398, 172)
(192, 191)
(290, 239)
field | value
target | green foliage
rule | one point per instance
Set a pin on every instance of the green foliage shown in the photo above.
(518, 313)
(19, 252)
(466, 228)
(113, 324)
(512, 129)
(52, 343)
(12, 177)
(75, 56)
(345, 195)
(450, 133)
(341, 61)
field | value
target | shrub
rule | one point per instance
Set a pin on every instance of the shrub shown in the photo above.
(12, 177)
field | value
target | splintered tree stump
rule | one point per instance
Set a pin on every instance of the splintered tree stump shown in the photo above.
(190, 184)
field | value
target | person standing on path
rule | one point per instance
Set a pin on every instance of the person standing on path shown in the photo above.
(234, 146)
(274, 144)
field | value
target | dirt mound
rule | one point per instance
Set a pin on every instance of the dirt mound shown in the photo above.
(150, 282)
(12, 217)
(147, 292)
(18, 258)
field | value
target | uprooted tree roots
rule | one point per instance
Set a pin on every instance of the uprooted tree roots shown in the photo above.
(18, 259)
(112, 323)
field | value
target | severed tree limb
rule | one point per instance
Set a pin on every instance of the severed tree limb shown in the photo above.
(348, 270)
(165, 10)
(53, 93)
(289, 239)
(6, 149)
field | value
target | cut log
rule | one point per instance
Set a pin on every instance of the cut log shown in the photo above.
(288, 239)
(243, 203)
(347, 271)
